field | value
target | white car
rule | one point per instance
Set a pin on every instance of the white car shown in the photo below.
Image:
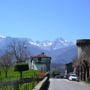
(73, 77)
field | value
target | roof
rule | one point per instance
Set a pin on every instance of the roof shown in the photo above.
(42, 55)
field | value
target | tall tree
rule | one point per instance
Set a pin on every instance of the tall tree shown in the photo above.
(6, 61)
(19, 48)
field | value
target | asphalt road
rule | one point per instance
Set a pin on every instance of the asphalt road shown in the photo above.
(64, 84)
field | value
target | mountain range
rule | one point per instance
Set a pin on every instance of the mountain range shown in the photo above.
(61, 51)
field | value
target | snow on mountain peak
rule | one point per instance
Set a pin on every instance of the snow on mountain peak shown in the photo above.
(46, 44)
(51, 45)
(59, 49)
(1, 36)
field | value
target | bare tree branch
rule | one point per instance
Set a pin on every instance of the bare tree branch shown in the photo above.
(6, 61)
(19, 48)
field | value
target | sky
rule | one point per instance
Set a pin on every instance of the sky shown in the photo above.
(45, 19)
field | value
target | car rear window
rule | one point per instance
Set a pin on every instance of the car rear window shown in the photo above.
(74, 75)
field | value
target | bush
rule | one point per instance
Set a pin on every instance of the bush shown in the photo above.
(20, 67)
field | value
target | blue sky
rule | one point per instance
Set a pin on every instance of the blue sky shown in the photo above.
(45, 19)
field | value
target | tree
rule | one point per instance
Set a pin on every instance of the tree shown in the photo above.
(19, 48)
(6, 61)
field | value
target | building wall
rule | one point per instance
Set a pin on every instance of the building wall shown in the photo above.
(29, 63)
(40, 64)
(84, 53)
(84, 62)
(69, 68)
(40, 67)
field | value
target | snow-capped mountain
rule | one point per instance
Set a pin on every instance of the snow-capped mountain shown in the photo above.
(52, 45)
(59, 49)
(1, 36)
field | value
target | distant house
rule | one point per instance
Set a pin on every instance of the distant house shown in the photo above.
(69, 68)
(40, 62)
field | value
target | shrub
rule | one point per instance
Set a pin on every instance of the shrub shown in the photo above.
(20, 67)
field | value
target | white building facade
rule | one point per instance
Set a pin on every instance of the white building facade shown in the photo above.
(40, 62)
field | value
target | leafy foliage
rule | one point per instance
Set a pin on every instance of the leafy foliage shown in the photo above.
(21, 67)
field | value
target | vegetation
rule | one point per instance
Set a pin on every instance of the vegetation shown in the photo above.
(87, 82)
(6, 61)
(12, 75)
(20, 67)
(17, 52)
(15, 75)
(28, 86)
(19, 48)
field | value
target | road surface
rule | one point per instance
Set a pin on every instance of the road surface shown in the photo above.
(64, 84)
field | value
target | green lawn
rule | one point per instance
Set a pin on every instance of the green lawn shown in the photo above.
(15, 75)
(12, 75)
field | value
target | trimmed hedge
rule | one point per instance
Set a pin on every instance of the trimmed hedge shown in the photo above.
(21, 67)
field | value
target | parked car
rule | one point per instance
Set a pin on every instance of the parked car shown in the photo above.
(57, 76)
(66, 76)
(62, 76)
(73, 77)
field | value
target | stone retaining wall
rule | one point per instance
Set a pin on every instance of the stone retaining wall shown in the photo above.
(43, 85)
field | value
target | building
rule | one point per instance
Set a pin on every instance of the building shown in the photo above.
(83, 67)
(74, 65)
(40, 62)
(69, 68)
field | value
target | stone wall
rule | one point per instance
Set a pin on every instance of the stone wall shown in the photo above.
(83, 68)
(44, 84)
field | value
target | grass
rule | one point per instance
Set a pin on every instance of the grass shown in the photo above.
(87, 82)
(25, 86)
(16, 75)
(12, 75)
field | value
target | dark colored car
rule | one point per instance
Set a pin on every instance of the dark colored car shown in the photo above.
(66, 76)
(57, 76)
